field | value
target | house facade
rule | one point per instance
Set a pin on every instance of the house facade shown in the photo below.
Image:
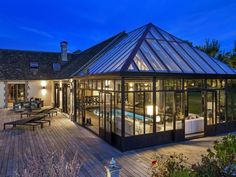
(134, 90)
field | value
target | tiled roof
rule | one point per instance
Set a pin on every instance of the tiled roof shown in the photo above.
(15, 64)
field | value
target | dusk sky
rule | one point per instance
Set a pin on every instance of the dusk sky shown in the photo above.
(42, 24)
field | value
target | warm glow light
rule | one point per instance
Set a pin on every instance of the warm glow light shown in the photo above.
(150, 110)
(158, 119)
(43, 83)
(44, 91)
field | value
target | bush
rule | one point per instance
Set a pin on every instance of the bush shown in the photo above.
(172, 166)
(52, 164)
(218, 162)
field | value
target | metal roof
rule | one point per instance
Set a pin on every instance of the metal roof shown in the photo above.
(151, 49)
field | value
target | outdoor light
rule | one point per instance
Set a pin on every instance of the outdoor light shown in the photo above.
(43, 84)
(44, 91)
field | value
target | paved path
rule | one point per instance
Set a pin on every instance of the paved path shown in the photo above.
(93, 151)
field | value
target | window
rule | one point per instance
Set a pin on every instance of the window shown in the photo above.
(56, 67)
(16, 93)
(34, 65)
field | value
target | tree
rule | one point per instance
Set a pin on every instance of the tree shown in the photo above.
(211, 47)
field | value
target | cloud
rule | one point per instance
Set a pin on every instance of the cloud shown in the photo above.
(37, 31)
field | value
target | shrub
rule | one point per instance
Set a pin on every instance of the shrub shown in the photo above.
(219, 162)
(52, 164)
(172, 166)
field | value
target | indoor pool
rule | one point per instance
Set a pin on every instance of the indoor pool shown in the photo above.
(118, 113)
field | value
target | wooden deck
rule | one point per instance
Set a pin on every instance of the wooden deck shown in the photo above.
(93, 151)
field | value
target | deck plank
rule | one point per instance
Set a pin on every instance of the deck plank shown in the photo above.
(64, 135)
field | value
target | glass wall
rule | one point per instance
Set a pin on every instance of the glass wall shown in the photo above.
(97, 101)
(163, 105)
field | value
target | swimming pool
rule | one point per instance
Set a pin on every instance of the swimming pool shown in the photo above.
(118, 113)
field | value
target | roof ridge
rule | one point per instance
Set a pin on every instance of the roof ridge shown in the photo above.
(136, 48)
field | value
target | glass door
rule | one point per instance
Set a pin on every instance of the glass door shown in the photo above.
(194, 120)
(16, 93)
(105, 117)
(211, 107)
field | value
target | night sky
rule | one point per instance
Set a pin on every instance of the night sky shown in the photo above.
(42, 24)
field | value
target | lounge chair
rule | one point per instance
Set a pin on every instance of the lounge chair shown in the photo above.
(30, 121)
(29, 113)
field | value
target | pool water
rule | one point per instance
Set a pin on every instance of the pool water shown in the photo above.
(118, 113)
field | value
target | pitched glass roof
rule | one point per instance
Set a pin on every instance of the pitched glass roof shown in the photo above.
(151, 49)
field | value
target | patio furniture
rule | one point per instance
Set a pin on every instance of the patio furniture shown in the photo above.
(30, 121)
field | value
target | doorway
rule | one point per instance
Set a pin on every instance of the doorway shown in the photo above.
(211, 107)
(16, 93)
(194, 118)
(105, 117)
(66, 101)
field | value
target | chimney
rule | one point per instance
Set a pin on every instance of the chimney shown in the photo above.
(64, 51)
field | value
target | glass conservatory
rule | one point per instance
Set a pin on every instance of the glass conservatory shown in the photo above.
(153, 88)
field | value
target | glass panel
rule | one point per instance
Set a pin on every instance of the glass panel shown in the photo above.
(92, 110)
(172, 84)
(197, 58)
(160, 85)
(132, 67)
(167, 36)
(90, 84)
(139, 113)
(211, 108)
(116, 55)
(129, 115)
(187, 58)
(194, 122)
(108, 85)
(226, 68)
(176, 57)
(164, 56)
(152, 58)
(138, 85)
(117, 112)
(195, 105)
(156, 34)
(179, 106)
(118, 85)
(210, 61)
(149, 36)
(94, 84)
(169, 110)
(221, 118)
(193, 83)
(16, 93)
(99, 85)
(160, 105)
(141, 63)
(149, 112)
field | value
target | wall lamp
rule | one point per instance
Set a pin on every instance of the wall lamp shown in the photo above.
(43, 91)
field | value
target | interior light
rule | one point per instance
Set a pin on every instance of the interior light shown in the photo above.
(150, 110)
(158, 119)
